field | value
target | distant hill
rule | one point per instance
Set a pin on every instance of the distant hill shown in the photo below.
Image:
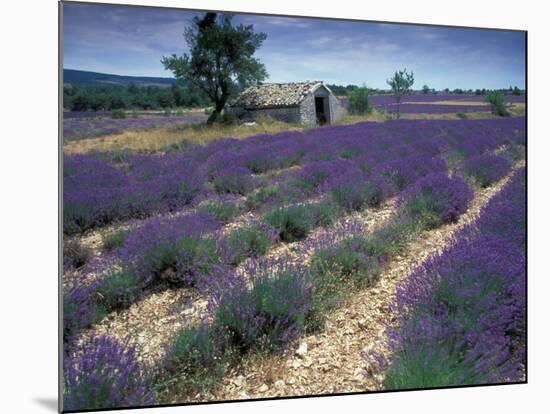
(85, 78)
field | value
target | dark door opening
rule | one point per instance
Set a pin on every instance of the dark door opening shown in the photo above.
(320, 110)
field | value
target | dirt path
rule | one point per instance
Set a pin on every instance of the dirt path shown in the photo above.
(332, 361)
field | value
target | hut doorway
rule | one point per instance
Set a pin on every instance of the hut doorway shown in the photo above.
(320, 110)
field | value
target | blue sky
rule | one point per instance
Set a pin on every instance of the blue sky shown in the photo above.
(132, 40)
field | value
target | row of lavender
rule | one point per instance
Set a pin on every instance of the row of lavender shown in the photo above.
(99, 191)
(462, 316)
(153, 251)
(287, 297)
(273, 304)
(415, 108)
(409, 106)
(76, 127)
(182, 250)
(388, 99)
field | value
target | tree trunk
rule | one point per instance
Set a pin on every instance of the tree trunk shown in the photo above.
(218, 108)
(213, 117)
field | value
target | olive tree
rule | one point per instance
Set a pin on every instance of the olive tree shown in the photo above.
(220, 60)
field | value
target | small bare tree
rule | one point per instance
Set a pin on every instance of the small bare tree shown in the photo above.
(401, 84)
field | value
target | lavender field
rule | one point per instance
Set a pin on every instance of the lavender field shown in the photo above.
(263, 240)
(434, 104)
(87, 124)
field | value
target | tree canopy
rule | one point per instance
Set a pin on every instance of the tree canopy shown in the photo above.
(401, 84)
(221, 58)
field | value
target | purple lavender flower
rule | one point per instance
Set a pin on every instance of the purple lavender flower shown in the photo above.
(436, 197)
(486, 169)
(462, 314)
(102, 373)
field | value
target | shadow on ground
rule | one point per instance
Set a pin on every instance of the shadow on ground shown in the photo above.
(49, 403)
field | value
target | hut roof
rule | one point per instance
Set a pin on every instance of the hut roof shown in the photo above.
(274, 95)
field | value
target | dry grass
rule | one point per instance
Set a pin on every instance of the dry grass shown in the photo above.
(375, 116)
(517, 109)
(156, 139)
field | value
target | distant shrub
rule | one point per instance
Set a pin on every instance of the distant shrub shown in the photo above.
(292, 222)
(117, 290)
(113, 240)
(269, 314)
(223, 211)
(102, 373)
(75, 254)
(208, 110)
(167, 112)
(486, 169)
(234, 180)
(118, 114)
(249, 241)
(498, 103)
(462, 115)
(135, 114)
(436, 199)
(179, 111)
(359, 101)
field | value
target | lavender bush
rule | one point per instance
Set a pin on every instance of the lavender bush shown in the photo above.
(270, 313)
(247, 241)
(436, 199)
(80, 309)
(486, 169)
(462, 314)
(102, 373)
(172, 249)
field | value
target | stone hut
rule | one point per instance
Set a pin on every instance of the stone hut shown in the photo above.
(304, 103)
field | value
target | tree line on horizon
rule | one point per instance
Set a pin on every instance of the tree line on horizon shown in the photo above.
(113, 97)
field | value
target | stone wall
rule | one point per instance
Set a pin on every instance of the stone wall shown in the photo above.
(303, 114)
(307, 108)
(336, 108)
(287, 114)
